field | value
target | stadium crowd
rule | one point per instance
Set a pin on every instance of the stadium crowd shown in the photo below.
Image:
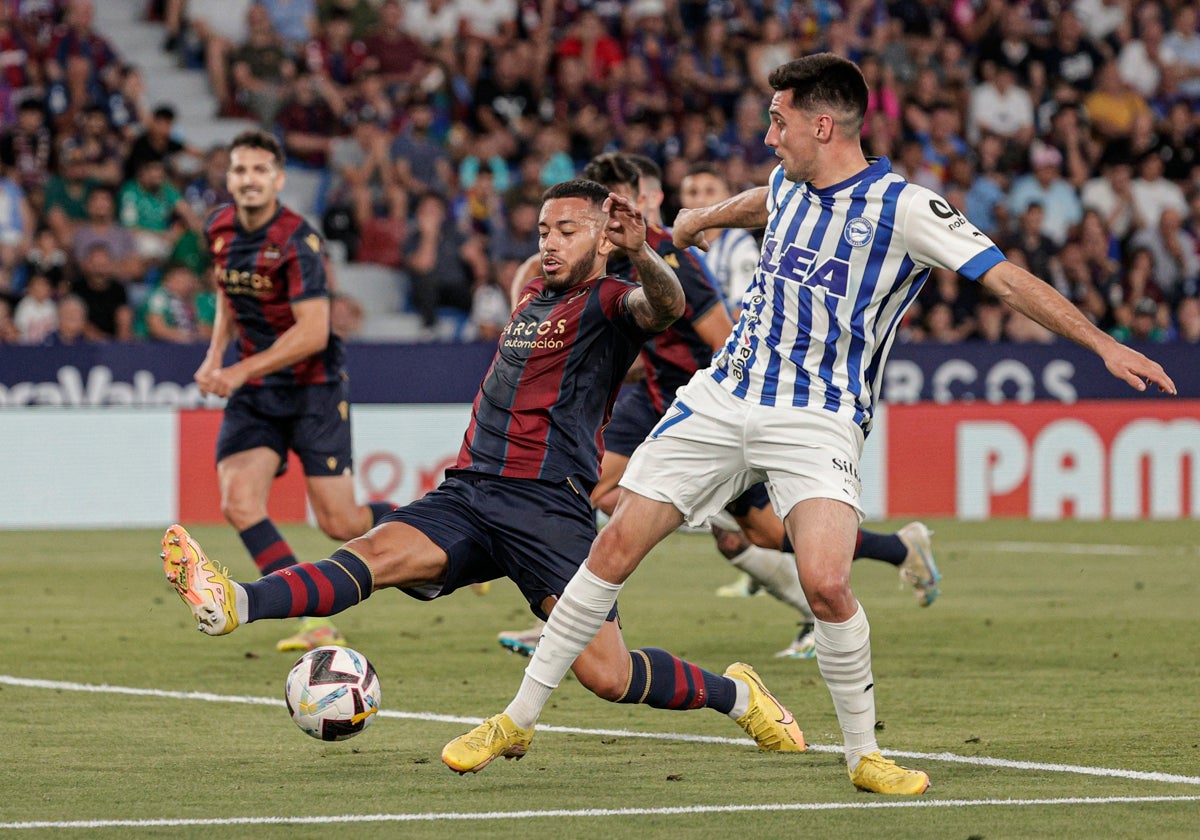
(1067, 131)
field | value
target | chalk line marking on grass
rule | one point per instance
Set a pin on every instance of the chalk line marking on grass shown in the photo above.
(1091, 549)
(981, 761)
(602, 812)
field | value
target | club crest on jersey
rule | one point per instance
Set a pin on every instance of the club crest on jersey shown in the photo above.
(858, 232)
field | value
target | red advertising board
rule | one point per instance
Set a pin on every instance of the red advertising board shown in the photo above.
(1108, 459)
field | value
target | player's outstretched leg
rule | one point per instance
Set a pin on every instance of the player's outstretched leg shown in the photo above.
(919, 569)
(202, 584)
(876, 774)
(766, 720)
(495, 737)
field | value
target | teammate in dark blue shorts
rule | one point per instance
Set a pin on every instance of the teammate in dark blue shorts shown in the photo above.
(288, 389)
(516, 503)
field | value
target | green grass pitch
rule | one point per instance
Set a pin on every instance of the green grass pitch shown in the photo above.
(1054, 646)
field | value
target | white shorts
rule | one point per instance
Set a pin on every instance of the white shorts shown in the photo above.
(711, 446)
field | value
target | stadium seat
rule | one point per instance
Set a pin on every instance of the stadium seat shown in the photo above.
(380, 290)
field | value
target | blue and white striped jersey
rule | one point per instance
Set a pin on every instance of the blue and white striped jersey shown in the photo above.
(837, 270)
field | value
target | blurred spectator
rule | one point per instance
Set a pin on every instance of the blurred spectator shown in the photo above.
(445, 264)
(732, 255)
(1031, 238)
(75, 60)
(999, 107)
(1015, 47)
(47, 258)
(209, 189)
(587, 40)
(169, 312)
(364, 182)
(1178, 143)
(518, 238)
(1181, 51)
(362, 15)
(72, 329)
(491, 21)
(294, 21)
(27, 146)
(711, 72)
(943, 141)
(220, 25)
(99, 144)
(65, 203)
(1187, 319)
(422, 164)
(101, 228)
(395, 54)
(336, 53)
(1153, 193)
(109, 314)
(154, 210)
(1113, 106)
(259, 69)
(17, 222)
(1142, 324)
(36, 315)
(1102, 18)
(913, 165)
(157, 143)
(1045, 186)
(310, 118)
(990, 320)
(1071, 56)
(432, 22)
(505, 99)
(18, 71)
(1110, 194)
(125, 102)
(1174, 250)
(1140, 59)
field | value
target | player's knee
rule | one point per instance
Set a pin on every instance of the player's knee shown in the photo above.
(242, 513)
(340, 525)
(827, 595)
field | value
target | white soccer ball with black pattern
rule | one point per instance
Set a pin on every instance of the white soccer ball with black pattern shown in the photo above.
(332, 693)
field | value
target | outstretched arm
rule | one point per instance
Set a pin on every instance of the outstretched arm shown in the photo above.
(659, 300)
(1030, 296)
(745, 210)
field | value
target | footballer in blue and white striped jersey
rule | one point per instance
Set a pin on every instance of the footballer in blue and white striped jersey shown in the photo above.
(837, 270)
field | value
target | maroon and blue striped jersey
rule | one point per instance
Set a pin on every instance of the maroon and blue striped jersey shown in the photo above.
(551, 387)
(674, 355)
(263, 273)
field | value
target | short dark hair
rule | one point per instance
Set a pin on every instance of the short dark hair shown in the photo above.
(583, 188)
(164, 112)
(646, 166)
(612, 169)
(704, 168)
(825, 80)
(256, 138)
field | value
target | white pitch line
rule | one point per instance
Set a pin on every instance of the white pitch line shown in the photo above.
(602, 812)
(981, 761)
(1094, 549)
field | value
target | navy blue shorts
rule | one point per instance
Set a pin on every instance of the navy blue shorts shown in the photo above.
(311, 420)
(633, 417)
(754, 498)
(536, 533)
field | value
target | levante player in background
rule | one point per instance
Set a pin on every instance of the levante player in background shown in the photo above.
(516, 503)
(288, 388)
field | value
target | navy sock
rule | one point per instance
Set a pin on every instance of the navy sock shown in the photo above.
(379, 510)
(268, 547)
(886, 547)
(663, 681)
(315, 589)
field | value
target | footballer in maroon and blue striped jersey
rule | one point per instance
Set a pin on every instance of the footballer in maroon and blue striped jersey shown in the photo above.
(288, 389)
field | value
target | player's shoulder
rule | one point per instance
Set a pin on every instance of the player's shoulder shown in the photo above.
(220, 217)
(296, 229)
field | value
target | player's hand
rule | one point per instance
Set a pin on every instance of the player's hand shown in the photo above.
(626, 228)
(686, 234)
(1128, 364)
(221, 382)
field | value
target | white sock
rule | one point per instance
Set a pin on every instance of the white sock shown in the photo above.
(742, 704)
(844, 658)
(575, 620)
(241, 603)
(777, 574)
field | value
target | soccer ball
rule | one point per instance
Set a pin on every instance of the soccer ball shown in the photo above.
(332, 693)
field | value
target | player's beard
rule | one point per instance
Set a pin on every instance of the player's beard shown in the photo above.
(577, 273)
